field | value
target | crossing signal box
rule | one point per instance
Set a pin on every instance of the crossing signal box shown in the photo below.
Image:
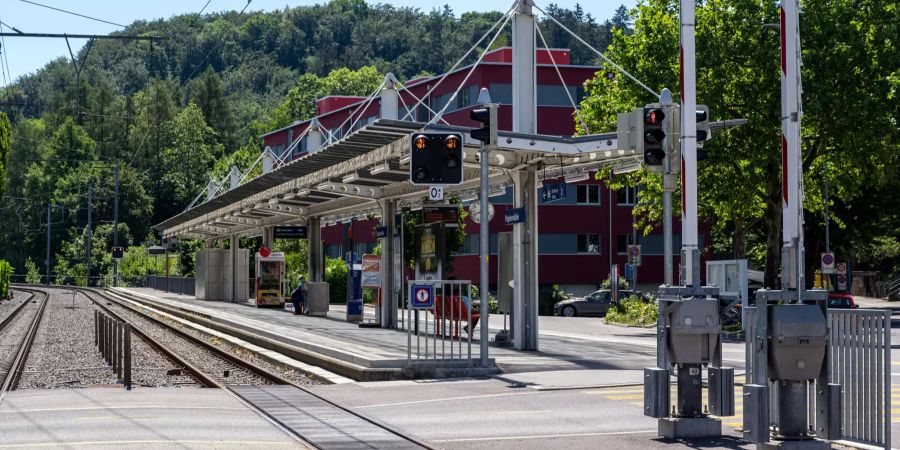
(436, 159)
(653, 136)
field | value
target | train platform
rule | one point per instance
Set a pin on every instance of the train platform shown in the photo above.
(111, 417)
(575, 352)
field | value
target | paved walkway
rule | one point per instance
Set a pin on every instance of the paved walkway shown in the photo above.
(575, 352)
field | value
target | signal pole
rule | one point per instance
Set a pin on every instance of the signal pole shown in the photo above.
(116, 226)
(49, 207)
(89, 235)
(665, 100)
(690, 249)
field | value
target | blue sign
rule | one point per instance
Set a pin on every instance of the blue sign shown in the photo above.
(381, 232)
(422, 296)
(629, 272)
(514, 215)
(553, 192)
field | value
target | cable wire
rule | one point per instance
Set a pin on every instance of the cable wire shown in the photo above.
(598, 52)
(73, 13)
(563, 81)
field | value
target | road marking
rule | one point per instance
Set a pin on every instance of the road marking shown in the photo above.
(144, 442)
(543, 436)
(450, 399)
(95, 408)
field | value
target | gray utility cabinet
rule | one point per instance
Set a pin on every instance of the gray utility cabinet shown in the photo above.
(214, 272)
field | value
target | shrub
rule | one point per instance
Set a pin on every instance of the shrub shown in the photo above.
(6, 271)
(548, 295)
(632, 311)
(336, 273)
(32, 276)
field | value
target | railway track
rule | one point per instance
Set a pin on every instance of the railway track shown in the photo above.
(309, 417)
(18, 322)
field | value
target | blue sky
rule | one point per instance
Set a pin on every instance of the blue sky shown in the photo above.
(26, 55)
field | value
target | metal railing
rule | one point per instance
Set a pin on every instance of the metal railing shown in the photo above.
(178, 285)
(434, 332)
(860, 357)
(893, 289)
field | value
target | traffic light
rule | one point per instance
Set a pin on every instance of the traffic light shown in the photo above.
(703, 131)
(653, 136)
(118, 252)
(436, 159)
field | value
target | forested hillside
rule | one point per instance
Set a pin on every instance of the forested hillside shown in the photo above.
(168, 114)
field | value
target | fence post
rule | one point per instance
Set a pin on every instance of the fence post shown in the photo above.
(127, 343)
(104, 336)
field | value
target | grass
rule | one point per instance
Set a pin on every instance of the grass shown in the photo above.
(632, 311)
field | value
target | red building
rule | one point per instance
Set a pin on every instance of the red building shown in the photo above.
(580, 235)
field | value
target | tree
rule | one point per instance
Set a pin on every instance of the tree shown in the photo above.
(208, 94)
(5, 141)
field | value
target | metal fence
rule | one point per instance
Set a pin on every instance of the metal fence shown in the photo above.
(113, 338)
(860, 357)
(443, 331)
(178, 285)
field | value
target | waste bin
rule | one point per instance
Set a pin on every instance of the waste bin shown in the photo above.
(317, 298)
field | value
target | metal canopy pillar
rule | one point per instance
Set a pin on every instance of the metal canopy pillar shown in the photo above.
(525, 235)
(232, 294)
(690, 249)
(388, 306)
(267, 236)
(791, 262)
(234, 177)
(315, 263)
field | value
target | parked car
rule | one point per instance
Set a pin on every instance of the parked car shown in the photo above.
(841, 300)
(595, 304)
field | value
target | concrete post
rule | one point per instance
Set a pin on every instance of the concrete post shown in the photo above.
(524, 83)
(267, 236)
(389, 98)
(211, 188)
(268, 160)
(314, 137)
(234, 177)
(232, 293)
(525, 263)
(388, 310)
(315, 263)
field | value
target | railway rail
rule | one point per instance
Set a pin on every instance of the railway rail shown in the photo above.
(306, 415)
(13, 365)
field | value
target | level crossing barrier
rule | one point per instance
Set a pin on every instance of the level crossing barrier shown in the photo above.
(439, 318)
(113, 338)
(859, 360)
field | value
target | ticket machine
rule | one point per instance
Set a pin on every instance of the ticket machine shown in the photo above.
(270, 281)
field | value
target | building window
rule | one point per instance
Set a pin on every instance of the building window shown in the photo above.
(588, 194)
(333, 251)
(501, 93)
(555, 95)
(622, 243)
(626, 196)
(589, 243)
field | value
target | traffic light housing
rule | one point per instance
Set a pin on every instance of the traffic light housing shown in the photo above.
(703, 131)
(653, 135)
(436, 159)
(487, 116)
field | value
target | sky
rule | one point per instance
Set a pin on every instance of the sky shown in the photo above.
(26, 55)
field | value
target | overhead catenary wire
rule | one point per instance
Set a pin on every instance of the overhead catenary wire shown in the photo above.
(562, 81)
(490, 30)
(598, 52)
(73, 13)
(471, 71)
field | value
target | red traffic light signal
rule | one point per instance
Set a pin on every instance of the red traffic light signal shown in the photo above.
(654, 116)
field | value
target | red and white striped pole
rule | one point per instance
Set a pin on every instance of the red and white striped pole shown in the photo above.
(690, 263)
(790, 144)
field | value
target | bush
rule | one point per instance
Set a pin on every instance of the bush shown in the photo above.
(336, 273)
(493, 304)
(634, 312)
(32, 276)
(6, 271)
(623, 284)
(548, 295)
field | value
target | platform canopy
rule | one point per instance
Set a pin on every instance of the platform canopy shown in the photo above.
(346, 179)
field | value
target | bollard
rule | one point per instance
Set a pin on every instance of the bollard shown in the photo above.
(103, 336)
(96, 329)
(127, 343)
(117, 349)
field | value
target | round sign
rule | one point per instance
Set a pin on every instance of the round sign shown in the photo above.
(842, 267)
(422, 296)
(265, 252)
(827, 259)
(475, 211)
(634, 251)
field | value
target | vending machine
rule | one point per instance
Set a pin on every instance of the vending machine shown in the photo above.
(270, 288)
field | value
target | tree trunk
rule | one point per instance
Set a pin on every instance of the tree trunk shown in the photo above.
(739, 242)
(773, 221)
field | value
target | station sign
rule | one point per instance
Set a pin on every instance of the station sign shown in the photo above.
(294, 232)
(422, 296)
(514, 215)
(436, 193)
(827, 262)
(156, 250)
(380, 232)
(448, 214)
(553, 192)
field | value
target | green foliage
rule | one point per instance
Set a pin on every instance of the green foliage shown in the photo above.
(296, 256)
(548, 296)
(5, 134)
(454, 238)
(607, 283)
(336, 273)
(633, 311)
(6, 271)
(32, 276)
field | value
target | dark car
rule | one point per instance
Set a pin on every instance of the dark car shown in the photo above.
(595, 304)
(841, 300)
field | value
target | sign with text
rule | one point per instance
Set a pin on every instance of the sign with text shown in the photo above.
(295, 232)
(553, 192)
(448, 214)
(380, 232)
(436, 193)
(371, 271)
(514, 215)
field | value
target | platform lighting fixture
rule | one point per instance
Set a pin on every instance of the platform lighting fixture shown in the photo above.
(380, 169)
(416, 207)
(288, 196)
(576, 177)
(273, 201)
(497, 191)
(405, 160)
(469, 197)
(245, 211)
(323, 186)
(350, 177)
(627, 168)
(302, 192)
(258, 205)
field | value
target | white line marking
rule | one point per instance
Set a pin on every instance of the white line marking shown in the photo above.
(173, 441)
(433, 400)
(95, 408)
(542, 436)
